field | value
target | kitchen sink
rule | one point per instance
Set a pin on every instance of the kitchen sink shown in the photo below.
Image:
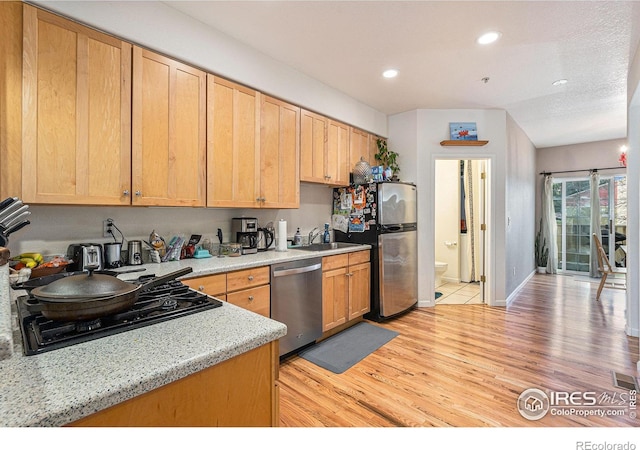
(326, 246)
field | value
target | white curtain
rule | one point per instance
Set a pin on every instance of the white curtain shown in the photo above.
(549, 228)
(594, 180)
(473, 212)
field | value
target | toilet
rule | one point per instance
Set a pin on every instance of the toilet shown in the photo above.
(441, 268)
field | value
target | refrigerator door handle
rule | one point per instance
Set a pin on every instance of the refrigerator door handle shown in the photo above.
(391, 228)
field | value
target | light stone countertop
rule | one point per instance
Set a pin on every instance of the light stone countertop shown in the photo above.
(64, 385)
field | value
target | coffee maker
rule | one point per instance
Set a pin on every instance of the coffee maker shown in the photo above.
(244, 230)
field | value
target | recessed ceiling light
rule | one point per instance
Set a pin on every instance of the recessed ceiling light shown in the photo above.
(390, 73)
(560, 82)
(489, 37)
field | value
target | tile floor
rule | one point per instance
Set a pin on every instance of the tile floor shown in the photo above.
(459, 294)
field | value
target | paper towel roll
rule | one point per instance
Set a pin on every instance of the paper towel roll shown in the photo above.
(281, 245)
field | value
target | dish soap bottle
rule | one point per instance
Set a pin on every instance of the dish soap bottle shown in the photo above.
(297, 238)
(326, 237)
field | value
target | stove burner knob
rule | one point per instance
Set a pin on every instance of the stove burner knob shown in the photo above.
(88, 325)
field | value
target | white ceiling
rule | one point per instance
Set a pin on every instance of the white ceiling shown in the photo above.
(347, 45)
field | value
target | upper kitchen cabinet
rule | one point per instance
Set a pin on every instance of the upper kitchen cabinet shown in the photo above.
(76, 113)
(324, 150)
(279, 154)
(358, 147)
(233, 144)
(338, 153)
(313, 147)
(169, 132)
(10, 99)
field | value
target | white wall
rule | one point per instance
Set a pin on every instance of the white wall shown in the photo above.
(633, 198)
(53, 228)
(520, 190)
(591, 155)
(422, 149)
(154, 25)
(447, 217)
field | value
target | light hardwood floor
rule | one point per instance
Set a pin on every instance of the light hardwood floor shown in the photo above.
(465, 366)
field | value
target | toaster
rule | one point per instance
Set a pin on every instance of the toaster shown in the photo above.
(81, 256)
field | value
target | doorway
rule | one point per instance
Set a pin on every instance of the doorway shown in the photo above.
(572, 200)
(460, 218)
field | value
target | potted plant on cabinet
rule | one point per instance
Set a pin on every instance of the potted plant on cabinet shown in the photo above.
(388, 158)
(541, 251)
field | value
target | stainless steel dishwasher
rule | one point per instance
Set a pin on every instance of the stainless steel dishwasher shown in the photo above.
(296, 301)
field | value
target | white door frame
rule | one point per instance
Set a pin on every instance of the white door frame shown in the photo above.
(429, 255)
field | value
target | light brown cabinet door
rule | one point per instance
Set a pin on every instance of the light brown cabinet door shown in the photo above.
(169, 132)
(76, 142)
(257, 300)
(233, 144)
(358, 147)
(359, 290)
(335, 298)
(373, 149)
(11, 99)
(214, 285)
(313, 147)
(338, 153)
(239, 392)
(279, 154)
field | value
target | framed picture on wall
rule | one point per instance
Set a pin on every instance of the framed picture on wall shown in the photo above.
(463, 131)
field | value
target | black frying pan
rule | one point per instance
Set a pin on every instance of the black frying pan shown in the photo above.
(76, 308)
(43, 281)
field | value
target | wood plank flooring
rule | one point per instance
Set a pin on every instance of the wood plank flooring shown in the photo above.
(466, 365)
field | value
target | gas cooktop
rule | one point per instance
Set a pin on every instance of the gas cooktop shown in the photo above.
(165, 302)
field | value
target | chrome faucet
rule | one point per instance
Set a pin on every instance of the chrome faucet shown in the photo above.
(313, 235)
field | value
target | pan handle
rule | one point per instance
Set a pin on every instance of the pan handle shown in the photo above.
(34, 307)
(164, 278)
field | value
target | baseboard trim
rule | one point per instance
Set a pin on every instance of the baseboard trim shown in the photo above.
(518, 288)
(633, 332)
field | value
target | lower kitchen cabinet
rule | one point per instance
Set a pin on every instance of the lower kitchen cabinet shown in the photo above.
(213, 285)
(256, 299)
(335, 295)
(240, 392)
(345, 288)
(248, 288)
(359, 288)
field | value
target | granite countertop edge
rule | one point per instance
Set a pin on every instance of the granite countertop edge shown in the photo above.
(37, 392)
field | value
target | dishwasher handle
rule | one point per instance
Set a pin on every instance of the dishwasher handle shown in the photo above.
(298, 270)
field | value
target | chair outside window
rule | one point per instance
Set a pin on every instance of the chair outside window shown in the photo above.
(606, 269)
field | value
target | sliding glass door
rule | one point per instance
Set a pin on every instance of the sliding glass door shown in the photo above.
(572, 202)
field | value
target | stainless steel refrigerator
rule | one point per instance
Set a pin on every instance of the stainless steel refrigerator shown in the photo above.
(383, 215)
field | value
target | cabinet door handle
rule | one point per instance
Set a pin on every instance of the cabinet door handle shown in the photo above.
(138, 193)
(250, 277)
(126, 192)
(251, 298)
(350, 274)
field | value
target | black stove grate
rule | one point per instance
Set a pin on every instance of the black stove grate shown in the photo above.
(165, 302)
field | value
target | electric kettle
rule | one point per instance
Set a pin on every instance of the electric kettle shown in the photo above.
(265, 239)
